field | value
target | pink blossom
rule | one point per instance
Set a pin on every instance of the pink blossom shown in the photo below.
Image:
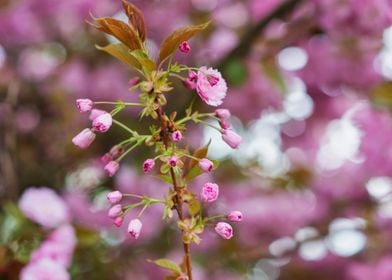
(173, 161)
(65, 235)
(231, 138)
(224, 230)
(190, 82)
(115, 211)
(210, 192)
(84, 138)
(133, 81)
(116, 151)
(176, 136)
(114, 197)
(106, 158)
(185, 47)
(103, 122)
(224, 124)
(44, 206)
(148, 165)
(222, 114)
(44, 269)
(56, 251)
(206, 165)
(210, 86)
(235, 216)
(134, 228)
(95, 113)
(118, 221)
(84, 105)
(112, 167)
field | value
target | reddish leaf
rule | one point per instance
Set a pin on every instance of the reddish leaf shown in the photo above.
(136, 19)
(121, 52)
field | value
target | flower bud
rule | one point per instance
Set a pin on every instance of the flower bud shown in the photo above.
(185, 47)
(210, 192)
(106, 158)
(115, 211)
(134, 228)
(134, 81)
(84, 105)
(95, 113)
(176, 136)
(118, 221)
(231, 138)
(222, 113)
(116, 151)
(235, 216)
(112, 167)
(103, 122)
(148, 165)
(224, 230)
(114, 197)
(206, 165)
(224, 124)
(173, 161)
(84, 138)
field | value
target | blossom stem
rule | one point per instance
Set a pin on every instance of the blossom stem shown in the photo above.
(120, 124)
(120, 103)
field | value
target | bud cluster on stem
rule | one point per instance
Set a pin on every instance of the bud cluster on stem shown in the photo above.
(177, 165)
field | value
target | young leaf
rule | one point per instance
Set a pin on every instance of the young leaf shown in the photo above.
(172, 42)
(169, 265)
(121, 52)
(147, 64)
(136, 19)
(193, 206)
(199, 153)
(120, 30)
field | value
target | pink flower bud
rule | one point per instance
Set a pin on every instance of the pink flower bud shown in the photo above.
(210, 192)
(116, 151)
(106, 158)
(173, 161)
(224, 124)
(84, 105)
(103, 122)
(84, 138)
(185, 47)
(176, 136)
(222, 113)
(206, 165)
(231, 138)
(111, 168)
(235, 216)
(114, 197)
(134, 228)
(224, 230)
(95, 113)
(115, 211)
(133, 81)
(118, 221)
(148, 165)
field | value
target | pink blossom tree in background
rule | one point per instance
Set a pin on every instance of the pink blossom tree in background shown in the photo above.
(309, 91)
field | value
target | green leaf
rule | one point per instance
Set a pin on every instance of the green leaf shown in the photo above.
(169, 265)
(193, 206)
(165, 178)
(147, 64)
(171, 43)
(199, 153)
(121, 52)
(382, 95)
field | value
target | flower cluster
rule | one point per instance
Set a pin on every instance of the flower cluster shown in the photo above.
(178, 165)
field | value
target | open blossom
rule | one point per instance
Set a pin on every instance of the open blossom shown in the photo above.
(134, 228)
(231, 138)
(65, 235)
(55, 251)
(210, 86)
(44, 206)
(115, 211)
(222, 114)
(176, 136)
(114, 197)
(84, 138)
(112, 167)
(210, 192)
(206, 165)
(185, 47)
(173, 161)
(224, 230)
(84, 105)
(235, 216)
(148, 165)
(44, 269)
(95, 113)
(103, 122)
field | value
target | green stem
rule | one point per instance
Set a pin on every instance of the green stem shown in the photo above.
(120, 103)
(120, 124)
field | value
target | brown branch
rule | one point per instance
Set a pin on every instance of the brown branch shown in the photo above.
(247, 40)
(177, 200)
